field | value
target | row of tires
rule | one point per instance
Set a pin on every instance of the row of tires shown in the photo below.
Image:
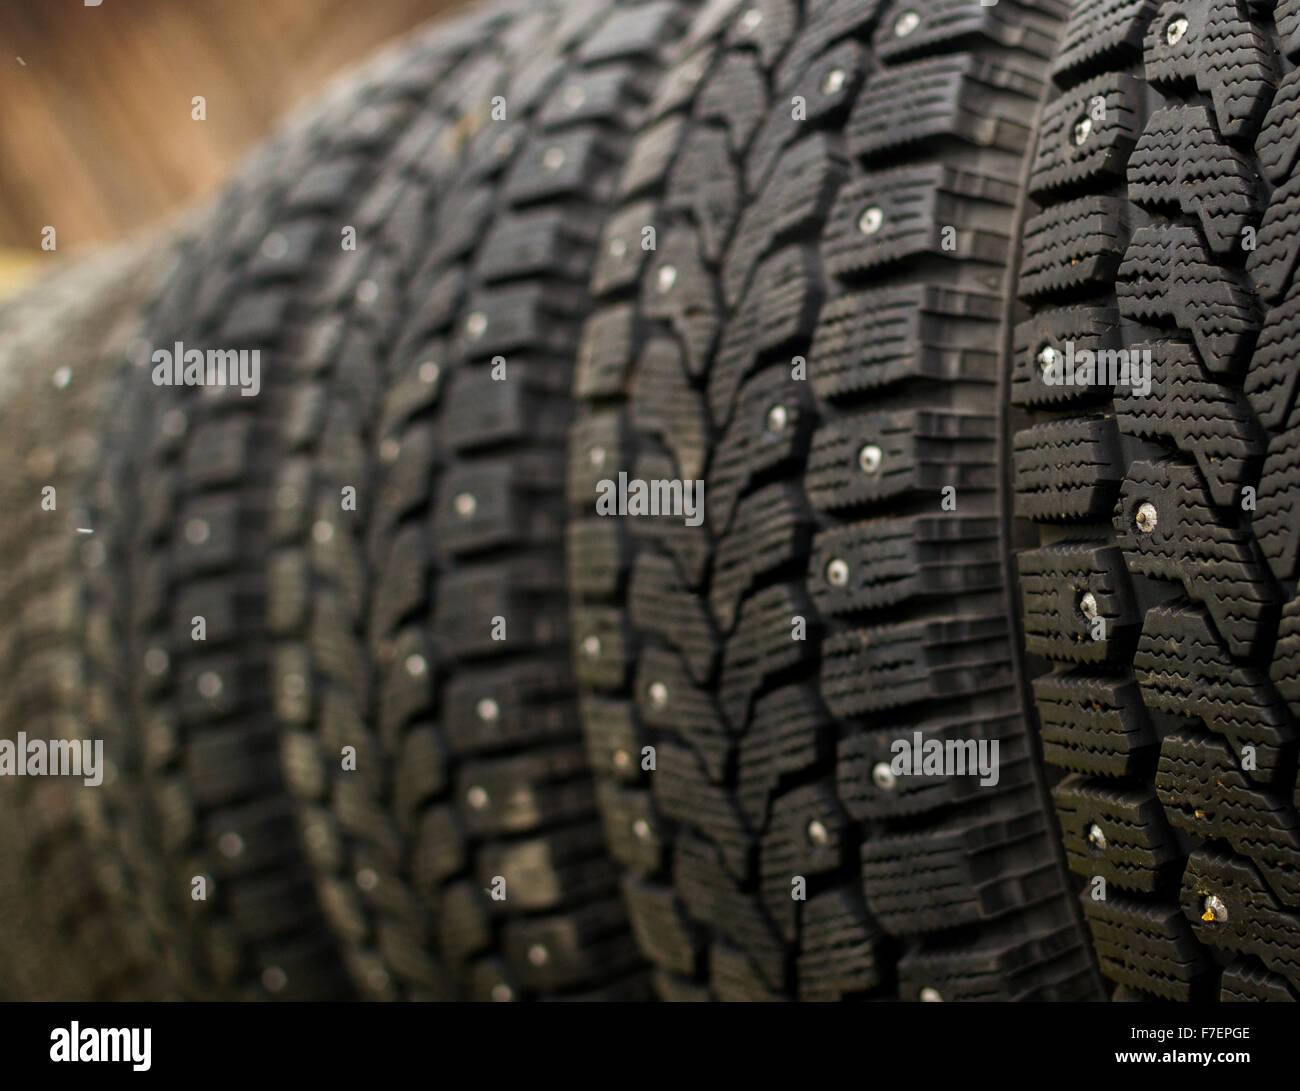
(392, 708)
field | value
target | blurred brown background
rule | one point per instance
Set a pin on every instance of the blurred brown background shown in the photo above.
(96, 137)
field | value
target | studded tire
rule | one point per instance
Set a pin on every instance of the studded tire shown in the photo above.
(1167, 225)
(207, 852)
(836, 191)
(62, 342)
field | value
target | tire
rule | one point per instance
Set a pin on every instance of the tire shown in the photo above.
(817, 336)
(203, 824)
(1171, 228)
(62, 343)
(318, 759)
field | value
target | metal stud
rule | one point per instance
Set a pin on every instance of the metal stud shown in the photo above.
(1147, 517)
(871, 220)
(837, 572)
(883, 775)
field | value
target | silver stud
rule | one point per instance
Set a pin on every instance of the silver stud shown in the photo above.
(274, 246)
(870, 457)
(465, 504)
(488, 710)
(377, 978)
(1175, 29)
(622, 759)
(1147, 517)
(817, 832)
(416, 665)
(642, 829)
(553, 159)
(230, 844)
(883, 775)
(502, 993)
(658, 694)
(155, 661)
(931, 995)
(906, 23)
(1097, 837)
(322, 531)
(596, 456)
(477, 797)
(429, 372)
(1082, 130)
(871, 220)
(1088, 605)
(389, 449)
(833, 81)
(476, 325)
(617, 247)
(210, 684)
(1046, 358)
(665, 279)
(274, 979)
(837, 572)
(62, 377)
(367, 879)
(750, 21)
(1215, 910)
(777, 419)
(538, 955)
(367, 292)
(591, 647)
(197, 531)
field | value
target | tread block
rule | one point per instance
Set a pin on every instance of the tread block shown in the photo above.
(1047, 338)
(1093, 725)
(1189, 544)
(918, 451)
(840, 955)
(683, 792)
(771, 533)
(1255, 924)
(666, 936)
(1074, 246)
(863, 759)
(1117, 833)
(1146, 946)
(1061, 621)
(660, 602)
(785, 735)
(867, 340)
(763, 646)
(889, 666)
(805, 837)
(915, 205)
(1181, 161)
(953, 875)
(907, 104)
(1101, 34)
(1067, 470)
(1185, 670)
(665, 405)
(1205, 792)
(668, 699)
(1086, 135)
(1168, 275)
(710, 896)
(1204, 419)
(1223, 52)
(1028, 966)
(892, 561)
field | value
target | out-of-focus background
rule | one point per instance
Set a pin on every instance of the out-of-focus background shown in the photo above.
(97, 137)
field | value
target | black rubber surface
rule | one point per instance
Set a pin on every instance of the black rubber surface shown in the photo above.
(1171, 226)
(835, 190)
